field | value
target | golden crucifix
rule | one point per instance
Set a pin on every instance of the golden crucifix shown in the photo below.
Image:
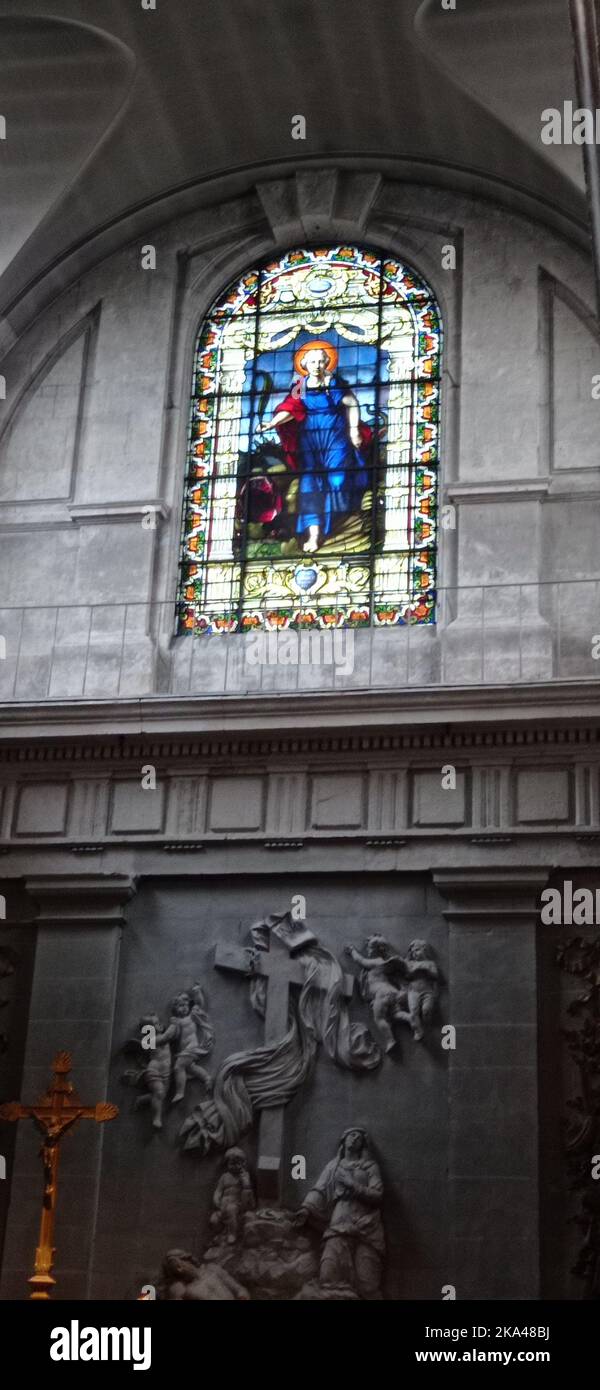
(57, 1111)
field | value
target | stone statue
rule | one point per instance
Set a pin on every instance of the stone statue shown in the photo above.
(192, 1036)
(398, 989)
(346, 1200)
(422, 986)
(176, 1053)
(233, 1195)
(156, 1075)
(187, 1279)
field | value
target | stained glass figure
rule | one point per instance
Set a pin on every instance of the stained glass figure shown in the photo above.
(310, 499)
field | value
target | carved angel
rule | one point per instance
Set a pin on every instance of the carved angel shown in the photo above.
(398, 989)
(233, 1195)
(155, 1074)
(176, 1053)
(192, 1036)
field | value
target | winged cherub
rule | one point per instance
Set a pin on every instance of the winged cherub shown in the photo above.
(398, 989)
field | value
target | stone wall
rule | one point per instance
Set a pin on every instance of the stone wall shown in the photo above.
(94, 426)
(313, 782)
(361, 827)
(17, 950)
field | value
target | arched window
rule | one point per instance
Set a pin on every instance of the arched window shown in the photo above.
(310, 499)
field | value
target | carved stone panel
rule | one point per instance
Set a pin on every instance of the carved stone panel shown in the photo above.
(41, 808)
(299, 1064)
(543, 794)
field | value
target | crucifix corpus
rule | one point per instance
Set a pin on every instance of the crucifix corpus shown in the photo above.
(57, 1111)
(282, 973)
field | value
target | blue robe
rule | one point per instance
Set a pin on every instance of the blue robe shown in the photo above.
(333, 477)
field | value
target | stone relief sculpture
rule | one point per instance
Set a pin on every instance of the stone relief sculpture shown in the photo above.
(281, 954)
(398, 989)
(192, 1036)
(233, 1196)
(155, 1077)
(186, 1279)
(175, 1057)
(345, 1204)
(581, 958)
(331, 1249)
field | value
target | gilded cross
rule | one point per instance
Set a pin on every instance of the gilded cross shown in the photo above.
(57, 1111)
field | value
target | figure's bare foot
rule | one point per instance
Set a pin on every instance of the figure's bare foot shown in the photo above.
(312, 543)
(157, 1124)
(231, 1240)
(418, 1034)
(177, 1097)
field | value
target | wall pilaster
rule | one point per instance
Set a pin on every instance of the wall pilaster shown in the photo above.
(79, 920)
(493, 1166)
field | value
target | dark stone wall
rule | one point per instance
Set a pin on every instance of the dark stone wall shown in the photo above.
(17, 950)
(561, 1206)
(462, 1141)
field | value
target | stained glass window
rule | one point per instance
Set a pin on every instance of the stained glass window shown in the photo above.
(310, 499)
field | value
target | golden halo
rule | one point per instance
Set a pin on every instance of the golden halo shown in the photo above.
(314, 345)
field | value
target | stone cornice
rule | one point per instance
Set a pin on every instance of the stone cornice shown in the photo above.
(491, 897)
(563, 712)
(212, 748)
(72, 899)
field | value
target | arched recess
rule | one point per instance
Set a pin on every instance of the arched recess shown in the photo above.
(313, 447)
(570, 341)
(40, 440)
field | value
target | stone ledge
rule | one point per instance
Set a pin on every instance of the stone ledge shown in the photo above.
(491, 714)
(507, 490)
(98, 512)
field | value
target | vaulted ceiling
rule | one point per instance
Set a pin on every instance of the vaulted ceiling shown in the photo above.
(110, 106)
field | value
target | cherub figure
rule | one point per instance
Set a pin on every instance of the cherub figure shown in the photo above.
(233, 1195)
(398, 989)
(176, 1051)
(155, 1076)
(192, 1036)
(422, 986)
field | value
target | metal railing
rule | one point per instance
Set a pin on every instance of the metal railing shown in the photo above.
(501, 634)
